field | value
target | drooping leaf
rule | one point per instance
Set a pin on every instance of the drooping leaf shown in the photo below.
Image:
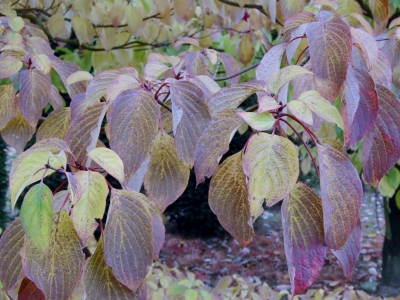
(83, 29)
(79, 76)
(284, 75)
(34, 94)
(301, 111)
(128, 231)
(322, 107)
(231, 97)
(133, 124)
(291, 7)
(381, 145)
(303, 232)
(29, 291)
(58, 272)
(36, 215)
(166, 177)
(349, 254)
(380, 11)
(17, 133)
(11, 243)
(367, 44)
(231, 66)
(360, 105)
(189, 99)
(56, 125)
(297, 20)
(330, 50)
(109, 161)
(270, 63)
(79, 132)
(196, 64)
(381, 72)
(272, 165)
(100, 283)
(246, 48)
(98, 86)
(91, 203)
(214, 142)
(56, 24)
(28, 168)
(258, 121)
(9, 66)
(65, 69)
(342, 194)
(8, 107)
(228, 199)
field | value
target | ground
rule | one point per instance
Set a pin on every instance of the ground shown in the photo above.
(264, 257)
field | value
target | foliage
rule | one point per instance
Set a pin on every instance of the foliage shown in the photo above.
(328, 67)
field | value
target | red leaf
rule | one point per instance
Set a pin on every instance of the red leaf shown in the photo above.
(349, 254)
(29, 291)
(342, 194)
(330, 50)
(381, 148)
(303, 234)
(360, 105)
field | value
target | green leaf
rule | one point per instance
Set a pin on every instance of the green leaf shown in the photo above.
(301, 111)
(37, 214)
(100, 283)
(28, 168)
(109, 161)
(385, 188)
(205, 295)
(271, 162)
(129, 233)
(258, 121)
(228, 199)
(322, 107)
(11, 244)
(214, 143)
(176, 289)
(91, 204)
(191, 294)
(167, 177)
(280, 77)
(397, 199)
(58, 272)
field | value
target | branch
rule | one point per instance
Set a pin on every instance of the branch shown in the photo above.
(255, 6)
(237, 74)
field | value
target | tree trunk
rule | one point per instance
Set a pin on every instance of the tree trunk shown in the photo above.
(391, 246)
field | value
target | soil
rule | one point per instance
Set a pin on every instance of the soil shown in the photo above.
(211, 259)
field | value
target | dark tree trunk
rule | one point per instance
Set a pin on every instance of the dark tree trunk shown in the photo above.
(391, 246)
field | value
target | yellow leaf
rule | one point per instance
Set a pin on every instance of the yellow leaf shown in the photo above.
(79, 76)
(109, 161)
(83, 29)
(280, 77)
(246, 48)
(56, 25)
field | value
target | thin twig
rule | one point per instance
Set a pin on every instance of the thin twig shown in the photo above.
(238, 73)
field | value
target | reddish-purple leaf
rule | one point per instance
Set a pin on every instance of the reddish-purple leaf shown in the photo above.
(214, 142)
(231, 66)
(11, 243)
(158, 228)
(301, 18)
(133, 126)
(29, 291)
(381, 147)
(303, 232)
(228, 199)
(128, 233)
(34, 94)
(342, 194)
(100, 283)
(330, 50)
(189, 99)
(78, 135)
(196, 64)
(349, 254)
(64, 69)
(381, 72)
(360, 105)
(270, 63)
